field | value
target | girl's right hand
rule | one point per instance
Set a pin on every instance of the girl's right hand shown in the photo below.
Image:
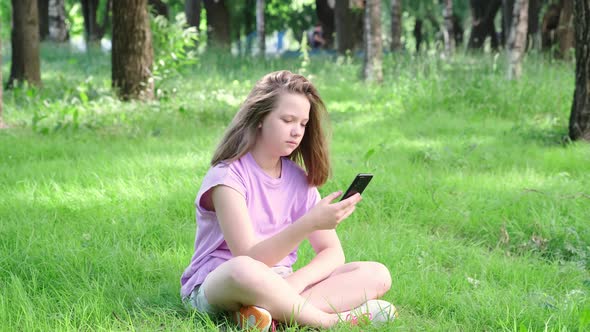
(328, 215)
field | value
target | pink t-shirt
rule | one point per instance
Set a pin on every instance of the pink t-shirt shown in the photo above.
(273, 204)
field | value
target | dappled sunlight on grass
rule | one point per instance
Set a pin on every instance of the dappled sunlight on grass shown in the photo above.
(478, 207)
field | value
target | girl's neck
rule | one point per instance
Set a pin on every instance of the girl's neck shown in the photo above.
(269, 164)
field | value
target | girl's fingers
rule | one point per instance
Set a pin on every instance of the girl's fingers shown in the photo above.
(333, 196)
(350, 201)
(348, 212)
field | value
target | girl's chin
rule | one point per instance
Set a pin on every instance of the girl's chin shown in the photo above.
(287, 153)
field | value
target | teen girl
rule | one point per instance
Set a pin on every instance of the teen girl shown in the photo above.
(259, 201)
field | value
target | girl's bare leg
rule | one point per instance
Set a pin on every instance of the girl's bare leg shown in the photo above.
(349, 286)
(244, 281)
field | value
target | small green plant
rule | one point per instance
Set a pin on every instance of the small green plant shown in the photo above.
(174, 49)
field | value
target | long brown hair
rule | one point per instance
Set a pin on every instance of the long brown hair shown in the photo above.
(240, 136)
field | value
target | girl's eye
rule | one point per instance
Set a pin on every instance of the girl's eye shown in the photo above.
(304, 125)
(287, 120)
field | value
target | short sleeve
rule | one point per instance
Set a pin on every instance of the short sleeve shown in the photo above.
(313, 198)
(221, 174)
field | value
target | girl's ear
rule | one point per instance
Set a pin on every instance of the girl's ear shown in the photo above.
(260, 125)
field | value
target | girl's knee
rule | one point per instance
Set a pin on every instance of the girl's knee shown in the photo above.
(380, 275)
(384, 276)
(246, 272)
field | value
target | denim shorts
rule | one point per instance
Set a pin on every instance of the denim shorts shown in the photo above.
(197, 299)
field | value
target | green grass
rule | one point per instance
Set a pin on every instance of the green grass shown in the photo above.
(479, 207)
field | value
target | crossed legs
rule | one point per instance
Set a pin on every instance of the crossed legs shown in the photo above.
(244, 281)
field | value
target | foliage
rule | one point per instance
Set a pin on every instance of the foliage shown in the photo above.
(296, 15)
(278, 15)
(174, 48)
(75, 19)
(5, 17)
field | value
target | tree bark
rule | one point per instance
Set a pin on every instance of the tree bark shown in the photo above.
(260, 29)
(357, 18)
(565, 30)
(342, 21)
(448, 34)
(58, 31)
(533, 40)
(373, 64)
(249, 24)
(92, 30)
(483, 13)
(517, 39)
(132, 54)
(579, 126)
(507, 12)
(192, 10)
(25, 64)
(43, 7)
(218, 32)
(549, 26)
(418, 33)
(326, 18)
(396, 25)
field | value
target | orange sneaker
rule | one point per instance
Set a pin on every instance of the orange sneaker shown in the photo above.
(253, 318)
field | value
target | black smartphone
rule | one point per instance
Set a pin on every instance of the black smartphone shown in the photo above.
(358, 185)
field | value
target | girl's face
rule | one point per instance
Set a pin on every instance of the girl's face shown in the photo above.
(282, 129)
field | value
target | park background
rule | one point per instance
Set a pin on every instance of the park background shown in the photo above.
(479, 205)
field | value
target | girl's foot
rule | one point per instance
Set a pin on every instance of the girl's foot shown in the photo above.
(372, 311)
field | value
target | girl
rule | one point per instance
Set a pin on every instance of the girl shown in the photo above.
(259, 201)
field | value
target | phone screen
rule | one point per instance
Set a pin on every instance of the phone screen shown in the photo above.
(358, 185)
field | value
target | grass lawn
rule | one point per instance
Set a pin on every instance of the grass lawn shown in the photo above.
(478, 206)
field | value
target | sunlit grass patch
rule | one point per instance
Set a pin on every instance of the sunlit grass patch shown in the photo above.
(478, 206)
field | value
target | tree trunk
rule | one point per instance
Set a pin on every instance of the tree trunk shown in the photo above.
(458, 30)
(448, 33)
(396, 25)
(579, 127)
(260, 31)
(132, 54)
(217, 24)
(43, 7)
(373, 64)
(549, 26)
(357, 18)
(92, 31)
(507, 12)
(58, 31)
(249, 25)
(192, 10)
(326, 18)
(517, 39)
(25, 64)
(565, 30)
(342, 21)
(483, 13)
(533, 40)
(418, 33)
(158, 8)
